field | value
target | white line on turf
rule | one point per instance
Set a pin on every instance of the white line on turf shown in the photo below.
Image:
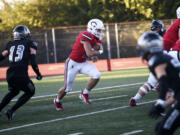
(80, 133)
(133, 132)
(109, 98)
(78, 91)
(69, 117)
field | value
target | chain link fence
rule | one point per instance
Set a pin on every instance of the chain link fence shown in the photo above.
(55, 44)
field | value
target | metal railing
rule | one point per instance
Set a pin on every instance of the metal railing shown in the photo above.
(54, 44)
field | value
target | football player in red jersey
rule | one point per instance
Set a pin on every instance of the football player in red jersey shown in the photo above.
(77, 61)
(173, 33)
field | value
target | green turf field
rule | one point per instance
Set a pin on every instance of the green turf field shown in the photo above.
(109, 113)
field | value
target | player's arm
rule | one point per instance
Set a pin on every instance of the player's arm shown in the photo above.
(88, 49)
(101, 46)
(161, 75)
(3, 54)
(34, 63)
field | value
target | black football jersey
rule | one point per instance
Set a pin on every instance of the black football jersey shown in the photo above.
(19, 56)
(172, 69)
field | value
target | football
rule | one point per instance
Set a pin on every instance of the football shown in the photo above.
(96, 47)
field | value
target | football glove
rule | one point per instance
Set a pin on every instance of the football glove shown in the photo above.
(39, 77)
(100, 51)
(157, 109)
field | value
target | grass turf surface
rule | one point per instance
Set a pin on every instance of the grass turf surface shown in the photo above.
(107, 115)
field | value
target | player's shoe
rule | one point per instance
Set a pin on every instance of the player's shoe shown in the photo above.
(132, 102)
(84, 98)
(58, 105)
(9, 114)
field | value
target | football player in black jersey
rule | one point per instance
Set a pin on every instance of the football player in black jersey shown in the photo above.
(158, 26)
(166, 69)
(20, 52)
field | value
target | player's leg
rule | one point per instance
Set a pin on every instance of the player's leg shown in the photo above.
(9, 96)
(70, 72)
(144, 89)
(169, 123)
(29, 91)
(90, 70)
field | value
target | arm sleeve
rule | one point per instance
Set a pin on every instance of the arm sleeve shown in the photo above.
(34, 64)
(164, 87)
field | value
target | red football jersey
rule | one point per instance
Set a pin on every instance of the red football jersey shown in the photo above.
(171, 35)
(78, 53)
(177, 46)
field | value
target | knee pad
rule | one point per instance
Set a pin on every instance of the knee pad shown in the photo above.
(97, 75)
(146, 88)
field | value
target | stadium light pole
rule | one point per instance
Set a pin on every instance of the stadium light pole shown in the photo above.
(54, 44)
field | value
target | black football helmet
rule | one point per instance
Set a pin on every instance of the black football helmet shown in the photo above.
(21, 32)
(149, 43)
(158, 26)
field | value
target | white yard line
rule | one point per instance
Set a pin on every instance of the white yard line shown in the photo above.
(133, 132)
(97, 89)
(69, 117)
(80, 133)
(109, 98)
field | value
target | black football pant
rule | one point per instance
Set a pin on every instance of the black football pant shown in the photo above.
(169, 123)
(14, 86)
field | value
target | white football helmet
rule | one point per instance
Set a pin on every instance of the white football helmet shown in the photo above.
(149, 43)
(96, 27)
(178, 12)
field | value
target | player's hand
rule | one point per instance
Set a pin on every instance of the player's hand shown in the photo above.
(94, 58)
(39, 77)
(157, 109)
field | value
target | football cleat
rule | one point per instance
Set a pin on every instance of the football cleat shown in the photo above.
(58, 105)
(84, 98)
(132, 102)
(9, 114)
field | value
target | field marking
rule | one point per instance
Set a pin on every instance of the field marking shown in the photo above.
(70, 117)
(133, 132)
(108, 98)
(80, 133)
(97, 89)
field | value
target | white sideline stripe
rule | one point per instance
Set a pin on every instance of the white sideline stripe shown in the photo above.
(80, 133)
(69, 117)
(104, 88)
(109, 98)
(133, 132)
